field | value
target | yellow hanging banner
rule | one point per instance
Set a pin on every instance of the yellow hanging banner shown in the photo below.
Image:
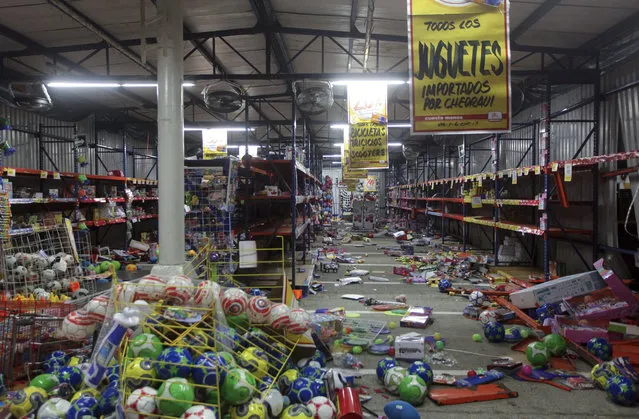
(347, 172)
(367, 125)
(459, 60)
(214, 142)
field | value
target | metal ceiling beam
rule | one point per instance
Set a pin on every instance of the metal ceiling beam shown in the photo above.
(534, 17)
(615, 32)
(265, 14)
(354, 7)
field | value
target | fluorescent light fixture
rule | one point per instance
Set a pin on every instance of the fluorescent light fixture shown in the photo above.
(337, 162)
(232, 146)
(399, 125)
(242, 146)
(81, 84)
(394, 144)
(233, 129)
(338, 144)
(332, 156)
(339, 126)
(354, 81)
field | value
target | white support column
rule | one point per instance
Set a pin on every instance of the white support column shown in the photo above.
(170, 137)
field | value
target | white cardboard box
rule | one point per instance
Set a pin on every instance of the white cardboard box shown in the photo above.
(410, 347)
(556, 290)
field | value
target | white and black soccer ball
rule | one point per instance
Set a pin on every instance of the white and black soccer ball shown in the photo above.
(322, 408)
(54, 286)
(477, 298)
(48, 275)
(10, 262)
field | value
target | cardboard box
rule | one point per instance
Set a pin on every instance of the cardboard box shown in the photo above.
(416, 317)
(410, 346)
(558, 289)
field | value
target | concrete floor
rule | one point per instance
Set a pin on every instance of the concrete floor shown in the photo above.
(534, 401)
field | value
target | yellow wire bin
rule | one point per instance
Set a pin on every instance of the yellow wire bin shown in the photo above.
(187, 355)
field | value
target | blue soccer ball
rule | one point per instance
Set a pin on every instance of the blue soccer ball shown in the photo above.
(205, 369)
(227, 338)
(112, 374)
(312, 372)
(422, 370)
(621, 390)
(70, 375)
(319, 388)
(444, 285)
(495, 332)
(267, 382)
(109, 400)
(319, 357)
(55, 360)
(85, 406)
(600, 348)
(384, 365)
(256, 337)
(174, 362)
(301, 391)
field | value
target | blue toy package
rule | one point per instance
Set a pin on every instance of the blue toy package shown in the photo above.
(487, 377)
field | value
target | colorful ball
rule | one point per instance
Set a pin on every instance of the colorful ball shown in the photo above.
(280, 316)
(422, 370)
(600, 348)
(413, 390)
(319, 357)
(274, 403)
(494, 332)
(322, 408)
(319, 388)
(205, 294)
(141, 403)
(312, 373)
(621, 390)
(537, 354)
(265, 383)
(27, 400)
(255, 361)
(286, 380)
(145, 345)
(300, 321)
(600, 374)
(239, 386)
(487, 316)
(297, 411)
(45, 381)
(234, 301)
(109, 400)
(393, 378)
(384, 365)
(301, 391)
(179, 289)
(140, 373)
(556, 344)
(476, 298)
(175, 396)
(112, 373)
(87, 392)
(258, 310)
(174, 362)
(54, 408)
(70, 375)
(205, 369)
(444, 285)
(150, 288)
(252, 410)
(86, 406)
(55, 360)
(200, 412)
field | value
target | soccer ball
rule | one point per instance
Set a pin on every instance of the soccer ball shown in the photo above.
(87, 392)
(77, 326)
(319, 388)
(55, 408)
(205, 294)
(254, 360)
(200, 412)
(556, 344)
(413, 390)
(494, 332)
(27, 400)
(422, 370)
(297, 411)
(537, 354)
(280, 316)
(600, 348)
(54, 286)
(393, 378)
(150, 288)
(384, 365)
(300, 321)
(141, 403)
(86, 406)
(179, 289)
(145, 345)
(109, 400)
(97, 308)
(444, 285)
(621, 390)
(112, 374)
(274, 403)
(259, 309)
(322, 408)
(319, 357)
(70, 375)
(301, 391)
(174, 362)
(55, 360)
(487, 316)
(476, 298)
(140, 373)
(286, 379)
(205, 369)
(255, 337)
(175, 397)
(45, 381)
(253, 410)
(313, 373)
(601, 373)
(234, 301)
(239, 386)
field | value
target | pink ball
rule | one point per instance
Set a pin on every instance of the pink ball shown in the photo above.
(234, 301)
(527, 370)
(258, 310)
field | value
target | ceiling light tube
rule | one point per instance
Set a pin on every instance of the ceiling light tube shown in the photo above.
(408, 125)
(332, 156)
(355, 81)
(227, 129)
(338, 144)
(65, 84)
(337, 162)
(339, 126)
(394, 144)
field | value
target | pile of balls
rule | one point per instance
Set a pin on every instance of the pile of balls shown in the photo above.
(411, 384)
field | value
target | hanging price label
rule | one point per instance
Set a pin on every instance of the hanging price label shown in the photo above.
(476, 201)
(537, 170)
(44, 174)
(56, 175)
(568, 173)
(514, 177)
(11, 172)
(555, 166)
(526, 171)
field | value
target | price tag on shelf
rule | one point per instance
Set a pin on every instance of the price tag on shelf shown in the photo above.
(537, 170)
(480, 181)
(513, 176)
(555, 166)
(568, 172)
(526, 171)
(476, 201)
(44, 174)
(11, 172)
(56, 175)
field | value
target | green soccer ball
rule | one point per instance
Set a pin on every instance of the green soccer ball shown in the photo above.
(45, 381)
(175, 397)
(145, 345)
(413, 390)
(239, 386)
(393, 378)
(537, 354)
(556, 344)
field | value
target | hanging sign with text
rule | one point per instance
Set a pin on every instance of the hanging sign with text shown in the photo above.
(348, 174)
(459, 60)
(367, 125)
(214, 143)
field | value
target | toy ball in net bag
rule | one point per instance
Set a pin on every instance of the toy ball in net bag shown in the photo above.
(476, 298)
(53, 408)
(487, 316)
(300, 321)
(234, 302)
(322, 408)
(600, 348)
(556, 344)
(279, 317)
(494, 332)
(384, 365)
(239, 386)
(444, 285)
(422, 370)
(297, 411)
(141, 403)
(26, 400)
(174, 362)
(301, 391)
(150, 288)
(201, 412)
(179, 289)
(621, 390)
(145, 345)
(175, 397)
(140, 372)
(252, 410)
(258, 310)
(255, 361)
(205, 294)
(393, 378)
(537, 354)
(413, 390)
(77, 326)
